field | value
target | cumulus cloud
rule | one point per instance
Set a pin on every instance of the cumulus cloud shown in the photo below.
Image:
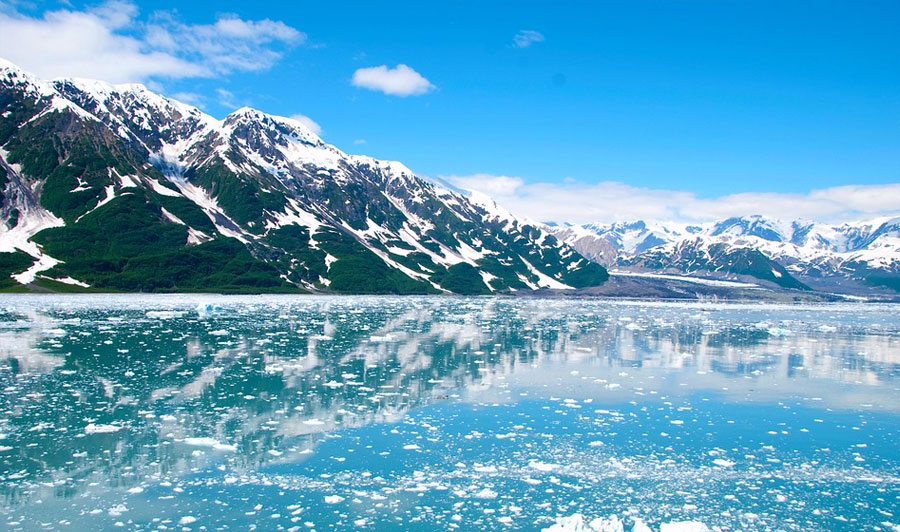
(526, 38)
(615, 201)
(112, 43)
(308, 122)
(398, 81)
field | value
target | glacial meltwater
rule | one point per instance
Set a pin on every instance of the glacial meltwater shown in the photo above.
(442, 413)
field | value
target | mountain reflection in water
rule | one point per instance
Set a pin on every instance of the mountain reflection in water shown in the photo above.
(106, 393)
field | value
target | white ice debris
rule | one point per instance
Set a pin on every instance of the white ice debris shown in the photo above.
(92, 428)
(542, 466)
(683, 526)
(211, 443)
(576, 523)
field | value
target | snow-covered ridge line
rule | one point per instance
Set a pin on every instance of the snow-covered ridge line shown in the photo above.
(253, 173)
(797, 244)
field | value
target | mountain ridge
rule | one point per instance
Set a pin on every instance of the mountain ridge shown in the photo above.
(252, 202)
(847, 256)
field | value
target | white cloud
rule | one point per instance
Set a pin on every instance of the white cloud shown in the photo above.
(398, 81)
(496, 186)
(191, 98)
(110, 43)
(308, 122)
(229, 45)
(615, 201)
(526, 38)
(360, 141)
(226, 98)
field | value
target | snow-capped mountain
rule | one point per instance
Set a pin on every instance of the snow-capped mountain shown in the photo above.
(116, 187)
(621, 238)
(791, 254)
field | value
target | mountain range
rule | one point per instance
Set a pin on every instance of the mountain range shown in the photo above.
(116, 188)
(855, 258)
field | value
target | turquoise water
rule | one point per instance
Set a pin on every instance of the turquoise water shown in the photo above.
(380, 413)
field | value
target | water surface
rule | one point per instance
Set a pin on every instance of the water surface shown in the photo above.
(381, 413)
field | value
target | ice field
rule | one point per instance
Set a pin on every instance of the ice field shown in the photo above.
(444, 413)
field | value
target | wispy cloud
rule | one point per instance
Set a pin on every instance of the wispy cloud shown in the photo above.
(398, 81)
(308, 122)
(526, 38)
(226, 98)
(191, 98)
(615, 201)
(112, 43)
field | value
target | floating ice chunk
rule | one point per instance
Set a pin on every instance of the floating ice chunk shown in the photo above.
(683, 526)
(117, 510)
(486, 493)
(542, 466)
(640, 526)
(186, 520)
(333, 499)
(573, 523)
(210, 442)
(721, 462)
(208, 309)
(91, 428)
(610, 524)
(411, 447)
(576, 523)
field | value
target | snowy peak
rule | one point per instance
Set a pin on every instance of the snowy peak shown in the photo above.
(286, 127)
(261, 196)
(638, 236)
(814, 252)
(755, 226)
(135, 113)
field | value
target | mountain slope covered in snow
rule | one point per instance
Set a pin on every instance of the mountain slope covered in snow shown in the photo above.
(847, 257)
(117, 188)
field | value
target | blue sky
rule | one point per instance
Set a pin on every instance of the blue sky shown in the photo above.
(709, 98)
